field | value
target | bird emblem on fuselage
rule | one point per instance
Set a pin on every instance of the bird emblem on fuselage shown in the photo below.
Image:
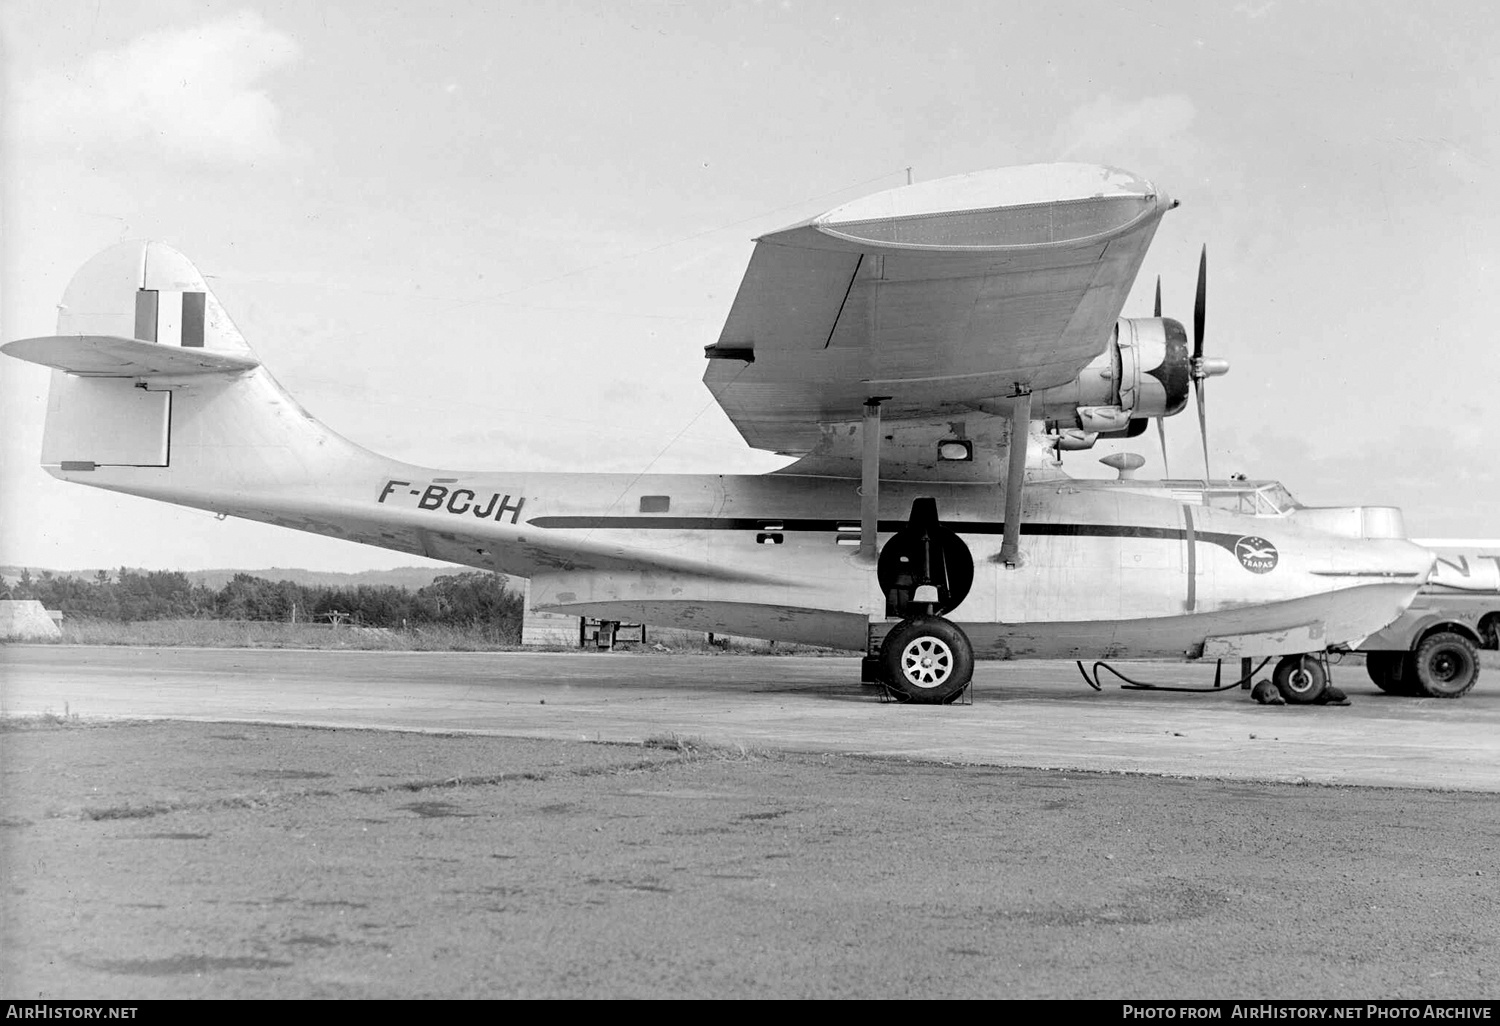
(1256, 554)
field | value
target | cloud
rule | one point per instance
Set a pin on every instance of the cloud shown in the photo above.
(182, 94)
(1108, 126)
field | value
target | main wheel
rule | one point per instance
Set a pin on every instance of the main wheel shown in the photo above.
(1447, 665)
(1300, 679)
(928, 660)
(1390, 672)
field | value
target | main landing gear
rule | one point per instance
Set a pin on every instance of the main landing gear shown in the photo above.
(925, 570)
(926, 659)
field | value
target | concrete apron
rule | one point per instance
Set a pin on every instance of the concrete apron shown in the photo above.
(1024, 714)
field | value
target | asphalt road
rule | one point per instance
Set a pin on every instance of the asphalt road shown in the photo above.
(784, 834)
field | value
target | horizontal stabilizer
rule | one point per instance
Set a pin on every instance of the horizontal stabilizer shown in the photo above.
(109, 356)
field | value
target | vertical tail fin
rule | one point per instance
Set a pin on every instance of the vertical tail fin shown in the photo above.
(139, 309)
(151, 292)
(156, 390)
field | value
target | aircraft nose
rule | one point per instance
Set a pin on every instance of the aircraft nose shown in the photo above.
(1386, 557)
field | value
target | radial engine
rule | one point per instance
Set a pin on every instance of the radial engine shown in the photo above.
(1144, 372)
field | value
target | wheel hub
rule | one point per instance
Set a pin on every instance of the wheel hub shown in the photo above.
(927, 662)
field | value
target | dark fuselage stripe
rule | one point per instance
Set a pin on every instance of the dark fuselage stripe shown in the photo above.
(823, 525)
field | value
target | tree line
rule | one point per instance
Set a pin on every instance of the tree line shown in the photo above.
(473, 600)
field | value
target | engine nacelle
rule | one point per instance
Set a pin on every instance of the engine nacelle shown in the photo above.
(1145, 371)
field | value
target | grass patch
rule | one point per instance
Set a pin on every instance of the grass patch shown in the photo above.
(129, 811)
(697, 747)
(425, 638)
(41, 721)
(271, 634)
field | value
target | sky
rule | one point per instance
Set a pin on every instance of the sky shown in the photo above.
(496, 236)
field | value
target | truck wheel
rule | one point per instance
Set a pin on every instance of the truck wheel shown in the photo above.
(1447, 665)
(1391, 672)
(1300, 679)
(927, 660)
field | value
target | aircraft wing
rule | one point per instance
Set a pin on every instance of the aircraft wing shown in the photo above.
(942, 297)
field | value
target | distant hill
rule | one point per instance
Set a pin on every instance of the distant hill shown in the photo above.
(409, 577)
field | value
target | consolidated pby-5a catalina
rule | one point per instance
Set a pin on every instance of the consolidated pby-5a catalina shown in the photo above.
(926, 353)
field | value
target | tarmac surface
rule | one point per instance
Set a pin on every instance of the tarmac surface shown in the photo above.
(238, 823)
(1031, 714)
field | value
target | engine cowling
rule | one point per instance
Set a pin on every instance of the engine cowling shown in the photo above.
(1144, 372)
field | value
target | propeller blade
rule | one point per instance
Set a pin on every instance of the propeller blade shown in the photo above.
(1200, 305)
(1157, 312)
(1161, 431)
(1202, 427)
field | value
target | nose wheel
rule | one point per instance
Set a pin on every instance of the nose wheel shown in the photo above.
(926, 659)
(1300, 678)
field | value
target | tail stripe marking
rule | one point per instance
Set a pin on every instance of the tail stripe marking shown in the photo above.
(193, 304)
(171, 318)
(145, 314)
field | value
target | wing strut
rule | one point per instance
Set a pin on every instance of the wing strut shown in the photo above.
(869, 484)
(1015, 480)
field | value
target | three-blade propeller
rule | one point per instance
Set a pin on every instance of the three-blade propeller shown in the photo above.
(1161, 422)
(1203, 367)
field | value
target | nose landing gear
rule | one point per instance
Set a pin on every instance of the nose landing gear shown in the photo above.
(1301, 679)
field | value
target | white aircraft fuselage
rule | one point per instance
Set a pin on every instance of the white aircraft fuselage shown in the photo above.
(1109, 568)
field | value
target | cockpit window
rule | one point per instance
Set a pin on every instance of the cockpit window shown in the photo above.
(1247, 498)
(1280, 497)
(1264, 500)
(1238, 500)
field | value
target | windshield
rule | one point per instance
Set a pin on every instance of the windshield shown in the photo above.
(1267, 499)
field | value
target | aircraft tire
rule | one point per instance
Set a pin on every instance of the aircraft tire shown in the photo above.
(1388, 673)
(1300, 679)
(928, 660)
(1447, 665)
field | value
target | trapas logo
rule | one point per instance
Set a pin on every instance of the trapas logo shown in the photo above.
(1256, 554)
